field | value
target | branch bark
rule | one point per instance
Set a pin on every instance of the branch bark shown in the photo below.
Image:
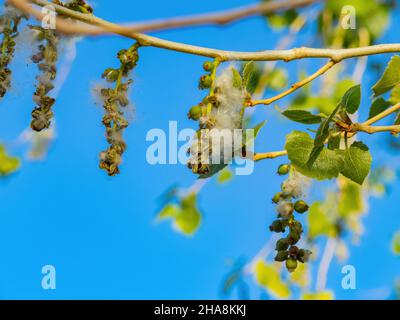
(214, 18)
(335, 55)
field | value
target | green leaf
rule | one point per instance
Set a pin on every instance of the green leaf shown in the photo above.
(302, 116)
(390, 78)
(351, 99)
(300, 145)
(251, 76)
(321, 136)
(379, 105)
(396, 243)
(8, 164)
(248, 69)
(256, 131)
(268, 276)
(351, 201)
(225, 176)
(319, 223)
(185, 216)
(323, 130)
(395, 95)
(237, 79)
(357, 162)
(169, 211)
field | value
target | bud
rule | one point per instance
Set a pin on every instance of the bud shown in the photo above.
(291, 264)
(205, 82)
(283, 169)
(208, 66)
(111, 75)
(277, 197)
(301, 206)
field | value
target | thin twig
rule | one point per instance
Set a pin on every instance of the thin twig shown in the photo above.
(359, 127)
(382, 115)
(215, 18)
(269, 155)
(295, 86)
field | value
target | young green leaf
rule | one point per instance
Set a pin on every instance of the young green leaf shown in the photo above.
(395, 95)
(390, 78)
(302, 116)
(251, 75)
(237, 79)
(351, 99)
(8, 164)
(356, 162)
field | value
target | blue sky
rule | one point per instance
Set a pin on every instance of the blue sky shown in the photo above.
(100, 233)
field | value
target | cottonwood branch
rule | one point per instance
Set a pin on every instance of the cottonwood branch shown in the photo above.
(335, 55)
(215, 18)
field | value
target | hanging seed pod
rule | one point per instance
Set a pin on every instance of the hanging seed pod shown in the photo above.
(114, 100)
(9, 25)
(46, 60)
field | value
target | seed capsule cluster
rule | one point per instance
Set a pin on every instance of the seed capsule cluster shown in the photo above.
(200, 149)
(287, 204)
(9, 23)
(218, 114)
(114, 100)
(46, 60)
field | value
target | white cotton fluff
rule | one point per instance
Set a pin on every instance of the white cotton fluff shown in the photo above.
(228, 114)
(284, 208)
(295, 185)
(224, 118)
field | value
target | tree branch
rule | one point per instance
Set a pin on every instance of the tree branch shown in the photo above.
(295, 86)
(269, 155)
(359, 127)
(215, 18)
(335, 55)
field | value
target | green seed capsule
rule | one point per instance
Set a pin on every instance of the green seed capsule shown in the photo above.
(301, 206)
(111, 75)
(195, 113)
(277, 197)
(283, 169)
(281, 256)
(291, 264)
(205, 82)
(276, 226)
(282, 244)
(208, 66)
